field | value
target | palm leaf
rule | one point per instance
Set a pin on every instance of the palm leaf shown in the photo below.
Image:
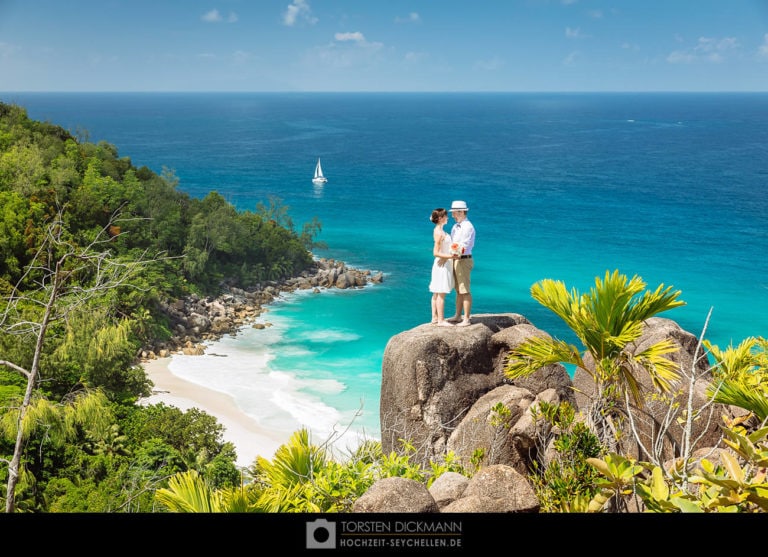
(188, 492)
(537, 352)
(294, 462)
(662, 371)
(737, 394)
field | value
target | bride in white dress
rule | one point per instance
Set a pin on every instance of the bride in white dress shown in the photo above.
(442, 269)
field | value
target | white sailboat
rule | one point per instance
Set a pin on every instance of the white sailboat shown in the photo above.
(319, 178)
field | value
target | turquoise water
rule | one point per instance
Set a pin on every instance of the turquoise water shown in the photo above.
(671, 187)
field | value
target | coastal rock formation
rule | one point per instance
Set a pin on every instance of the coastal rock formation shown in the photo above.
(396, 495)
(444, 390)
(694, 365)
(495, 489)
(438, 387)
(196, 320)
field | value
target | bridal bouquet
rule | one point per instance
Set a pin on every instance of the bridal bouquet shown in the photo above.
(457, 248)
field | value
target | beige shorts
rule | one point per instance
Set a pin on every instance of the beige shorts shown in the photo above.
(462, 269)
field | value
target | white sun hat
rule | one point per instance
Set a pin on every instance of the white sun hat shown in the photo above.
(459, 206)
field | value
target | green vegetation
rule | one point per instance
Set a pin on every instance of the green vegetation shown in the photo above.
(302, 477)
(567, 482)
(92, 247)
(608, 320)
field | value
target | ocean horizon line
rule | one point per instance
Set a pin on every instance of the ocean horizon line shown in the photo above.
(437, 92)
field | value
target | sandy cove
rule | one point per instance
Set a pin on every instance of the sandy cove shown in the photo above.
(250, 439)
(229, 312)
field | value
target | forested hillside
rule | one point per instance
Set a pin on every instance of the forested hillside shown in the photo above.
(89, 246)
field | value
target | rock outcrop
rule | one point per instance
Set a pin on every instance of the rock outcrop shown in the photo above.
(438, 387)
(444, 389)
(396, 495)
(196, 320)
(654, 416)
(495, 489)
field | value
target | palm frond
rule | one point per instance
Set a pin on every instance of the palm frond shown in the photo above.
(608, 301)
(553, 295)
(188, 492)
(662, 371)
(734, 361)
(537, 352)
(653, 303)
(294, 462)
(738, 394)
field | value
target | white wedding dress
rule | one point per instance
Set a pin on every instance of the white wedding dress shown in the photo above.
(442, 275)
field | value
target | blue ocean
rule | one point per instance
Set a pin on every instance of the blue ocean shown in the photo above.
(669, 187)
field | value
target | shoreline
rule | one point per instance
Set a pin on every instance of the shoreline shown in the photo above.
(230, 312)
(198, 320)
(249, 438)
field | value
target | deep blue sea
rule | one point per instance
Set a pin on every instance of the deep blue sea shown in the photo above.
(670, 187)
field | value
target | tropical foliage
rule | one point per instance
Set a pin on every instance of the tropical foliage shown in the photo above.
(587, 475)
(565, 482)
(302, 477)
(607, 320)
(741, 375)
(738, 483)
(91, 248)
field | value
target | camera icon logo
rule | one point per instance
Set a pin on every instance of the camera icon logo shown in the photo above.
(321, 534)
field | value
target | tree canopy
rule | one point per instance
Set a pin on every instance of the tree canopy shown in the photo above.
(91, 247)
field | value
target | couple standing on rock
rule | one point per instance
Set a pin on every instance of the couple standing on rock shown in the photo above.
(453, 265)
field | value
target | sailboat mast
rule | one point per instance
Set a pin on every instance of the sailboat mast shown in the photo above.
(319, 178)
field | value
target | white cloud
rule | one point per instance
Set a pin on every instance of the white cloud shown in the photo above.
(597, 14)
(415, 57)
(298, 9)
(576, 33)
(356, 36)
(214, 16)
(706, 49)
(211, 17)
(241, 56)
(708, 46)
(572, 58)
(680, 57)
(412, 17)
(762, 51)
(348, 50)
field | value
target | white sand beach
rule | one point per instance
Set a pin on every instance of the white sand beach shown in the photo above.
(249, 438)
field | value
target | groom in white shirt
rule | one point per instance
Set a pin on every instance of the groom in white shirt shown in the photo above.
(462, 233)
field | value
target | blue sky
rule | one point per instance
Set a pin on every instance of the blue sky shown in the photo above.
(384, 45)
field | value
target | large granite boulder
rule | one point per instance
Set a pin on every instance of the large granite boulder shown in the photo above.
(434, 377)
(656, 424)
(496, 489)
(504, 438)
(444, 390)
(396, 495)
(448, 487)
